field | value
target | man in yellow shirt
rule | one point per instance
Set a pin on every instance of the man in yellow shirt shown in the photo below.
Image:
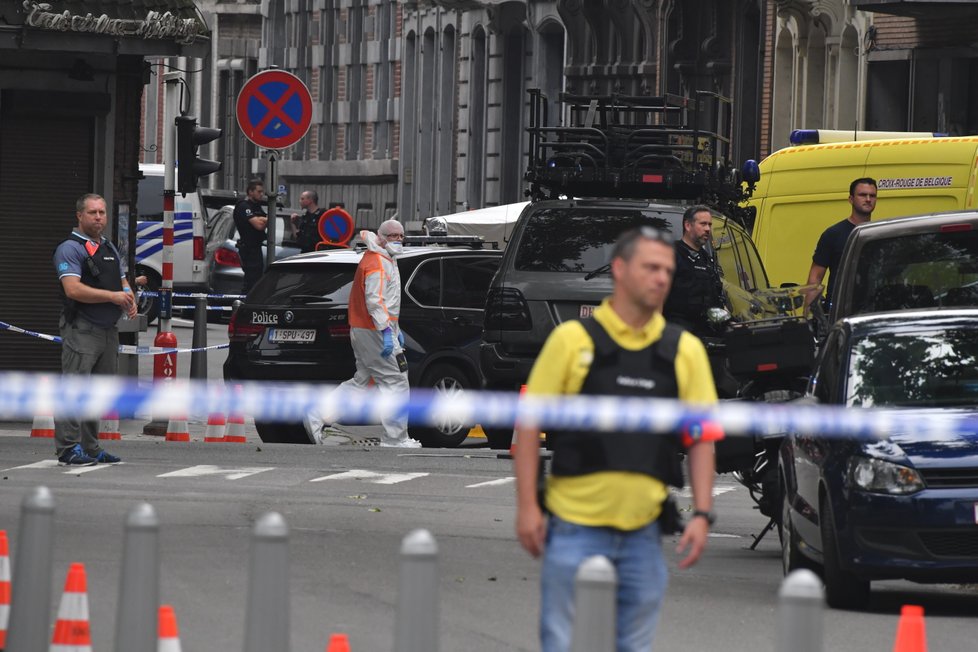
(606, 490)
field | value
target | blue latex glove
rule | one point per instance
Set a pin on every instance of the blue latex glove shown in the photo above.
(400, 337)
(388, 342)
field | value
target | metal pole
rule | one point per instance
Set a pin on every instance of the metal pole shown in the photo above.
(267, 617)
(594, 606)
(800, 606)
(198, 359)
(272, 207)
(416, 621)
(139, 582)
(165, 364)
(30, 626)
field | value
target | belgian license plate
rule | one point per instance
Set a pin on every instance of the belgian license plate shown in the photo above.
(587, 311)
(292, 335)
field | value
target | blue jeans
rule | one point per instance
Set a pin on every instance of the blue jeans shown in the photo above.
(642, 578)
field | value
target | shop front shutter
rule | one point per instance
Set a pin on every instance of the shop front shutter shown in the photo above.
(45, 165)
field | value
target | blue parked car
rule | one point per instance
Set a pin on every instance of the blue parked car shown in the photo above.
(906, 506)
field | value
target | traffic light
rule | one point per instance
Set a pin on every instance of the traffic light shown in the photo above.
(189, 167)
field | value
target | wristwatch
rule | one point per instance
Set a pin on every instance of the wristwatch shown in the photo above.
(710, 517)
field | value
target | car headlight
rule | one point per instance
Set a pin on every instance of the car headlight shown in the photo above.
(882, 477)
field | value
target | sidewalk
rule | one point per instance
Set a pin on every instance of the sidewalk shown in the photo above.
(132, 429)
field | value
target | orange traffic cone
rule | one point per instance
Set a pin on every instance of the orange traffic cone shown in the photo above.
(215, 428)
(43, 426)
(176, 429)
(236, 432)
(71, 631)
(911, 636)
(167, 635)
(338, 643)
(4, 588)
(109, 426)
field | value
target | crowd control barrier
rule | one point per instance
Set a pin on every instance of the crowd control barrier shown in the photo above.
(24, 395)
(800, 626)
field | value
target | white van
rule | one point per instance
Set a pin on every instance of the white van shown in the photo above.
(190, 220)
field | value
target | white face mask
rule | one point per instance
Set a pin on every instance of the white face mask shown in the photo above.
(393, 248)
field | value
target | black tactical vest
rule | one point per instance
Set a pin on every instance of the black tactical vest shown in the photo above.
(103, 271)
(615, 371)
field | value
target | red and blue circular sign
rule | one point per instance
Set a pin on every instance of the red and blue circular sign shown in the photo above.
(336, 227)
(274, 109)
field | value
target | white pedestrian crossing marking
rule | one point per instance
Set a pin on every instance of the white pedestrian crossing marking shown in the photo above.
(687, 492)
(490, 483)
(371, 476)
(209, 469)
(69, 470)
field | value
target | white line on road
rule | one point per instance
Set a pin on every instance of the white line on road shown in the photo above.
(371, 476)
(686, 492)
(209, 469)
(490, 483)
(70, 470)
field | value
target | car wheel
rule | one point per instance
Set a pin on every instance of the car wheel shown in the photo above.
(843, 590)
(149, 306)
(791, 556)
(282, 433)
(447, 380)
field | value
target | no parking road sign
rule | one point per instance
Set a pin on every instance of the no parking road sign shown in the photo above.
(274, 109)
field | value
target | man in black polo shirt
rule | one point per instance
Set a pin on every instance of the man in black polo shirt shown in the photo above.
(307, 225)
(95, 294)
(251, 222)
(828, 251)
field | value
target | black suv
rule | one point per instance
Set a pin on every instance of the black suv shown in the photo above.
(293, 325)
(556, 265)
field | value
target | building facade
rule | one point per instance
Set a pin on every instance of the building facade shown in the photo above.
(468, 64)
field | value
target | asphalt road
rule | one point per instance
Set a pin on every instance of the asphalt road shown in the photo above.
(345, 534)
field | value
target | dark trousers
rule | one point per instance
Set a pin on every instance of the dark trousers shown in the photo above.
(252, 264)
(86, 350)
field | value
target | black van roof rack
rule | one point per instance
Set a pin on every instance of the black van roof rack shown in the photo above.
(635, 147)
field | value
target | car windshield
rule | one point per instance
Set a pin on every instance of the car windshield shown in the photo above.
(918, 271)
(332, 282)
(932, 368)
(580, 239)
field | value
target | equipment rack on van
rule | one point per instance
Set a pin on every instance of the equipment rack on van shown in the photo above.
(635, 147)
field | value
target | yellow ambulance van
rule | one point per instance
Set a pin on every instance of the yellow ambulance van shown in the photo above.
(805, 189)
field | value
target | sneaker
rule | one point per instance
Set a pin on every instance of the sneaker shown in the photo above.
(314, 428)
(407, 442)
(107, 458)
(75, 456)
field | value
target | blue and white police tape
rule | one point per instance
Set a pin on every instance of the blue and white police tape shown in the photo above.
(192, 295)
(190, 306)
(24, 395)
(127, 349)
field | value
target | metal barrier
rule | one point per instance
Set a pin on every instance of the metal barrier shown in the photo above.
(416, 625)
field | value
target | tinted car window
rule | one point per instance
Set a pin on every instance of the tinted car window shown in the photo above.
(467, 281)
(149, 204)
(917, 271)
(921, 369)
(579, 240)
(425, 284)
(305, 284)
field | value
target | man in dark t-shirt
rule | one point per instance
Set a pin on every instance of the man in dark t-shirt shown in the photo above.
(306, 226)
(251, 222)
(828, 251)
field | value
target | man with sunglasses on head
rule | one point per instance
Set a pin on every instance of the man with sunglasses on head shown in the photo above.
(607, 492)
(696, 286)
(95, 293)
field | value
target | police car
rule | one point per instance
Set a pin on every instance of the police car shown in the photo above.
(191, 219)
